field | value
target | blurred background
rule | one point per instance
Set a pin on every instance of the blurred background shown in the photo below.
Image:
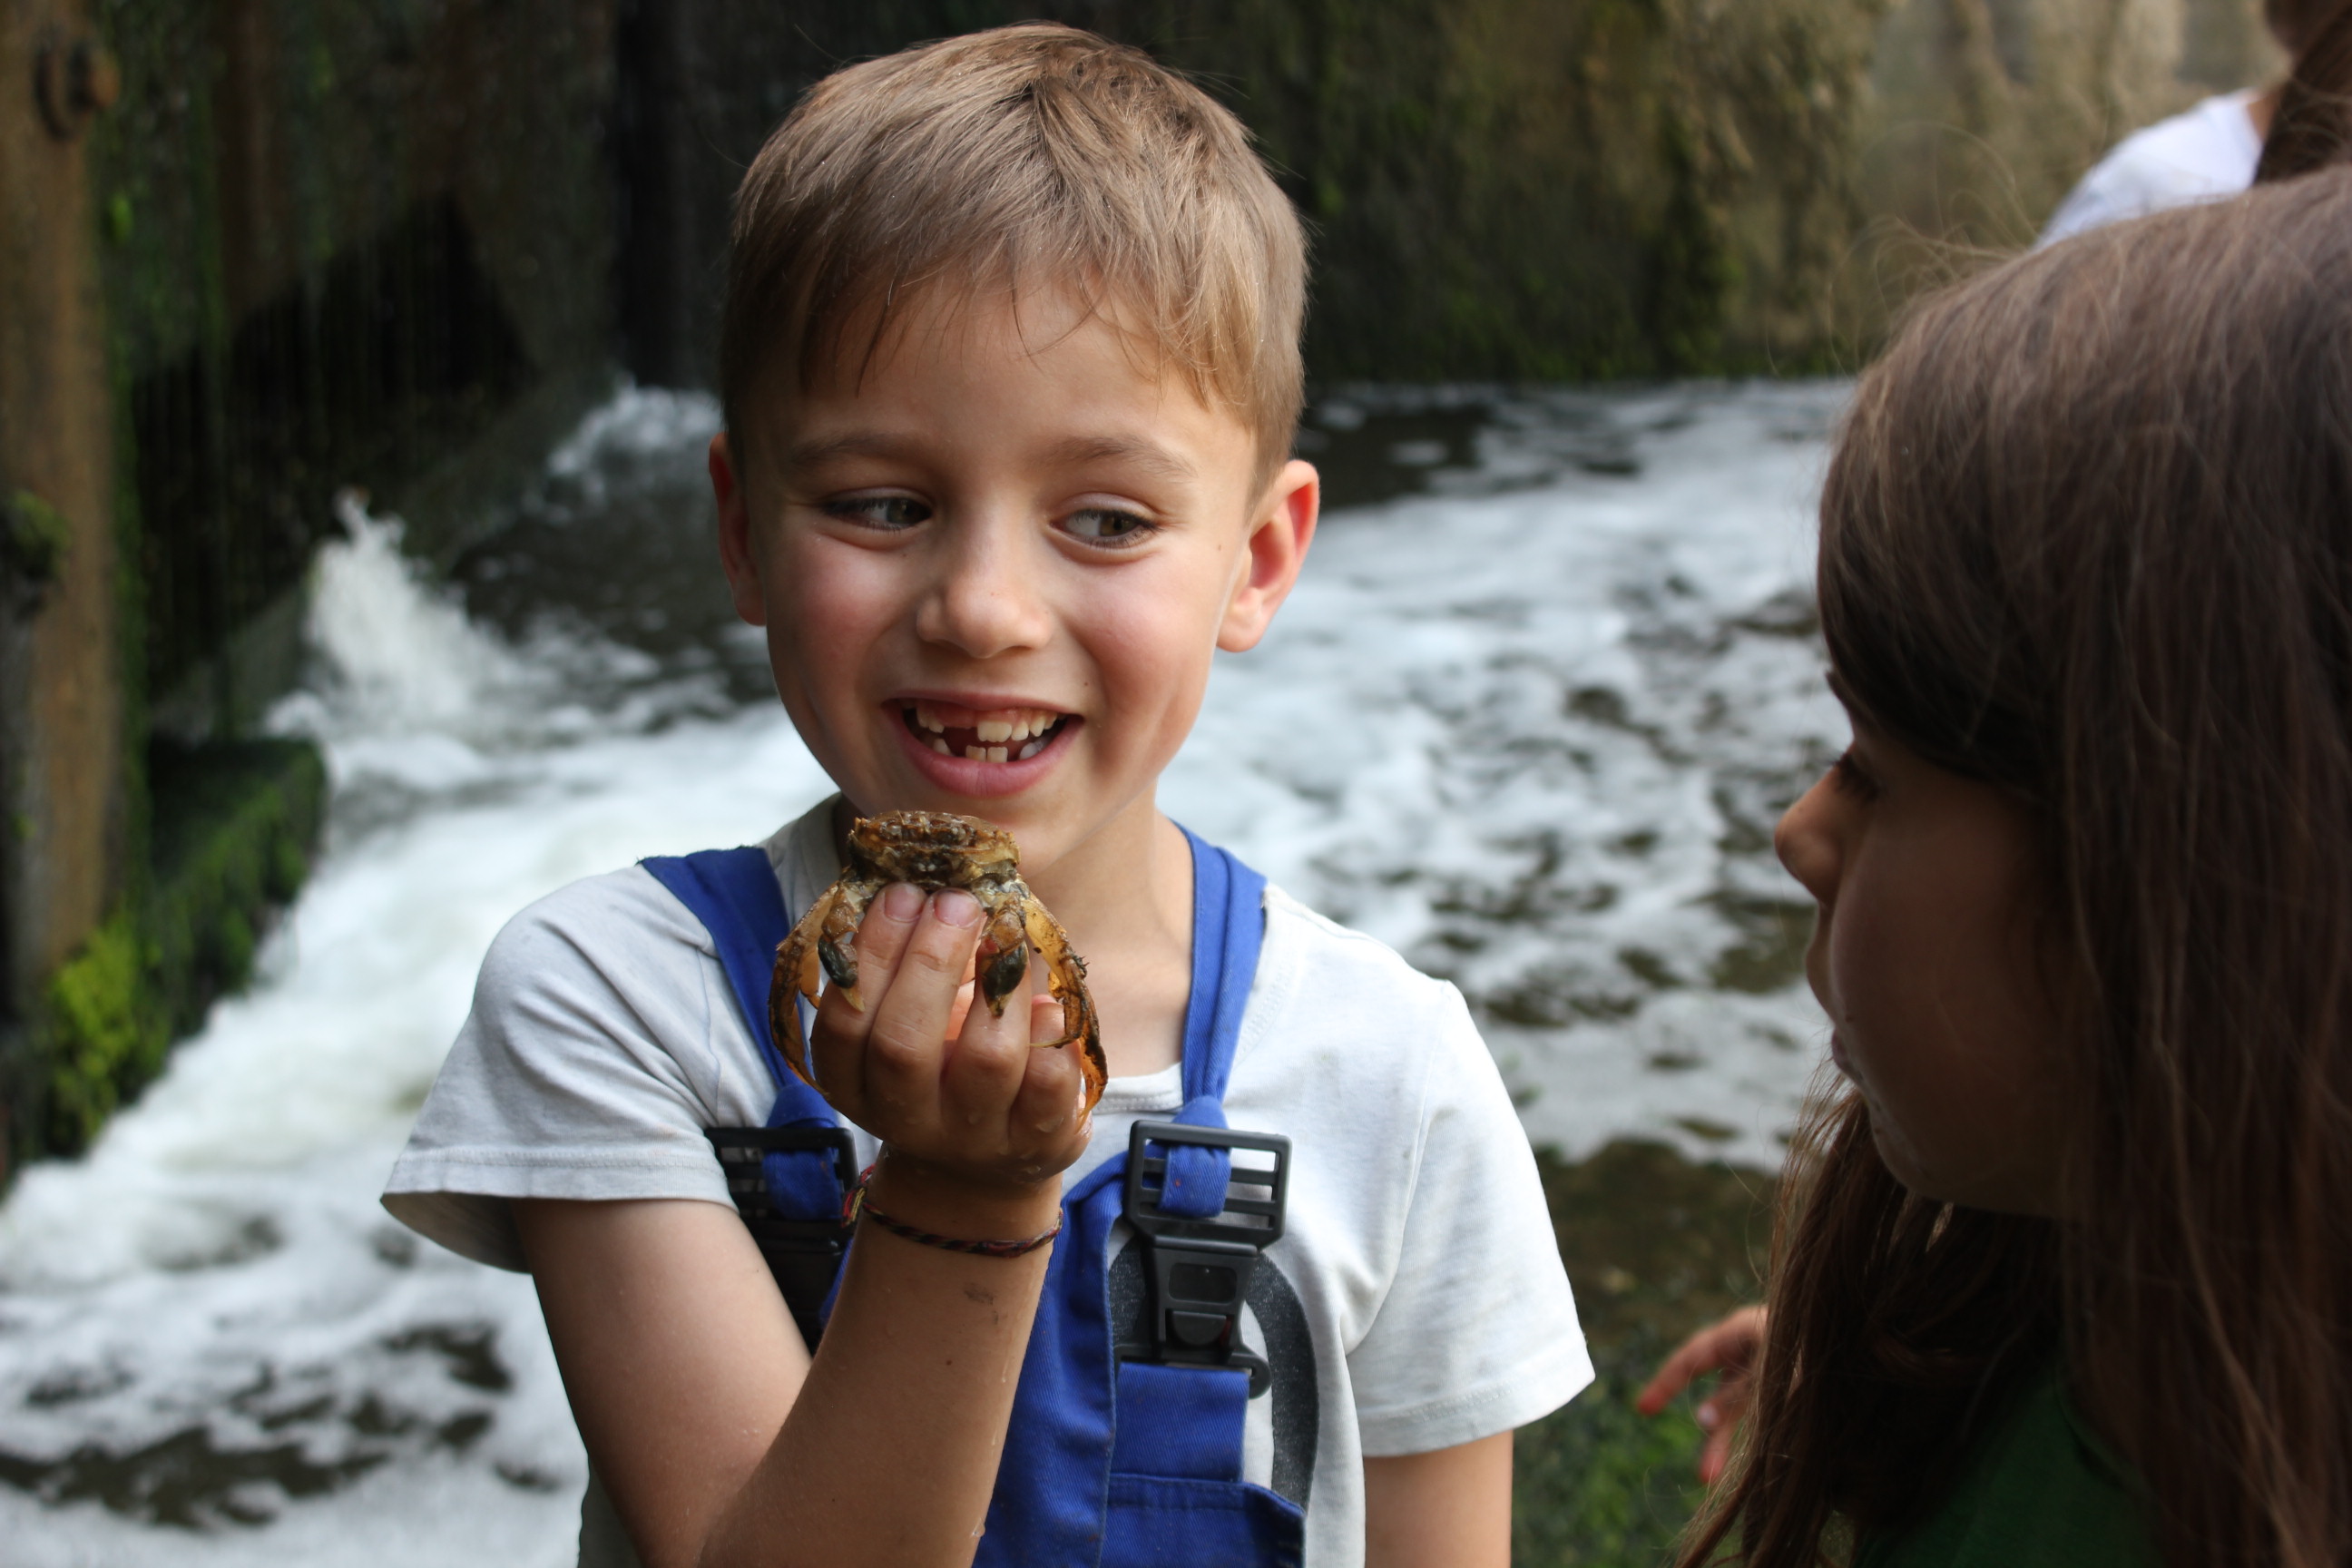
(356, 587)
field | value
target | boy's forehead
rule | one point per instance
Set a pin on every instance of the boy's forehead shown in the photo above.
(1074, 379)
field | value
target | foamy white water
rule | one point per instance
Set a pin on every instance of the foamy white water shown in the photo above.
(1529, 726)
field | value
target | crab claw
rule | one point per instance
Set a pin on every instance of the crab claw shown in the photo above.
(1065, 976)
(1003, 958)
(810, 950)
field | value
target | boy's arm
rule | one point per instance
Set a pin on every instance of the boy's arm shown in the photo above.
(717, 1439)
(1449, 1509)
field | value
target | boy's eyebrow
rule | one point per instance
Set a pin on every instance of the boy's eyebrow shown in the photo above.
(800, 454)
(1135, 450)
(1146, 455)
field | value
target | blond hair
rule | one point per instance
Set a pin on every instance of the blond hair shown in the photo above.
(1028, 156)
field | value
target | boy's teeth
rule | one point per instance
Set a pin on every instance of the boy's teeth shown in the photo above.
(1017, 735)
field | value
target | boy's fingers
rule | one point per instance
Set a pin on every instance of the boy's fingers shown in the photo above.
(1047, 1103)
(984, 1069)
(907, 1040)
(840, 1029)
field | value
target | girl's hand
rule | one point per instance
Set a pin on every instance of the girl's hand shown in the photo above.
(1730, 1346)
(978, 1123)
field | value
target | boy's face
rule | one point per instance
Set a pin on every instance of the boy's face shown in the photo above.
(994, 569)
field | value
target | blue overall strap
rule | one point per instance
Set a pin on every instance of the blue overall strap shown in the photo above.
(1228, 929)
(1114, 1464)
(733, 893)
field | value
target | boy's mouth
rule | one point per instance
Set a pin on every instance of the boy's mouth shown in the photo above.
(982, 735)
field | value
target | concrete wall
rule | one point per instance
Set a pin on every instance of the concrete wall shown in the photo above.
(301, 244)
(63, 833)
(1980, 114)
(346, 243)
(1518, 188)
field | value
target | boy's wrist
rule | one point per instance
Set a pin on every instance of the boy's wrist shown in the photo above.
(959, 1204)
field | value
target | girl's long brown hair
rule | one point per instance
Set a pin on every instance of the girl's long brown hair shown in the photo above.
(2087, 535)
(2313, 126)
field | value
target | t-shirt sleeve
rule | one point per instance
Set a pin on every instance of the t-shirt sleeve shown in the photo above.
(601, 1042)
(1478, 1333)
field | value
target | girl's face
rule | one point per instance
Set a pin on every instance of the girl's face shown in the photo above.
(1926, 957)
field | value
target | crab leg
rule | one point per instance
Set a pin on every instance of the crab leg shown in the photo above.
(1065, 976)
(1003, 958)
(801, 958)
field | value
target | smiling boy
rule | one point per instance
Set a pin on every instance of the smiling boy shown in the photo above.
(1011, 373)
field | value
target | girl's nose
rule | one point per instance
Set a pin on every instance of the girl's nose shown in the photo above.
(986, 596)
(1808, 840)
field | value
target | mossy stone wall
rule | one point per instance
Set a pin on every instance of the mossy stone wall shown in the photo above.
(338, 242)
(1514, 189)
(234, 833)
(1518, 189)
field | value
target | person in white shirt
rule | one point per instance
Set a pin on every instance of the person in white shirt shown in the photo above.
(2206, 153)
(1011, 372)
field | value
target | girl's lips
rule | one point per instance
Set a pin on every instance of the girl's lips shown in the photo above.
(983, 781)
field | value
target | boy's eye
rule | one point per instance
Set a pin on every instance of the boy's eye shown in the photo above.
(880, 512)
(1849, 775)
(1102, 525)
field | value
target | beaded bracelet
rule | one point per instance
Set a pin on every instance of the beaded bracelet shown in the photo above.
(856, 1208)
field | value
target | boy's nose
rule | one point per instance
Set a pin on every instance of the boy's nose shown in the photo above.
(985, 596)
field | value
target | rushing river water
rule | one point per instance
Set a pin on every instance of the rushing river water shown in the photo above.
(1550, 675)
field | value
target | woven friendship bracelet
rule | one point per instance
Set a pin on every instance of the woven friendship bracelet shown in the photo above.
(856, 1209)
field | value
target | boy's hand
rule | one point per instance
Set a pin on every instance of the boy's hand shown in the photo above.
(1730, 1346)
(978, 1125)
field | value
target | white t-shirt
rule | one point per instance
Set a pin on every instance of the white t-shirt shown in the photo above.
(2202, 155)
(603, 1038)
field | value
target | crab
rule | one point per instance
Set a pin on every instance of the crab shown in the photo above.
(934, 849)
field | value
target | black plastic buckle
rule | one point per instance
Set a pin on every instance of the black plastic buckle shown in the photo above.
(1198, 1271)
(804, 1255)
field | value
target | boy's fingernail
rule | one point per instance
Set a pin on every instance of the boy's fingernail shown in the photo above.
(1708, 1418)
(902, 901)
(957, 908)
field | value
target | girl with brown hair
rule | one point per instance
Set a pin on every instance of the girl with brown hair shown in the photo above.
(2064, 1274)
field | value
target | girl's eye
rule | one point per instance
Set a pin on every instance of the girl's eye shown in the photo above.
(880, 512)
(1850, 776)
(1101, 525)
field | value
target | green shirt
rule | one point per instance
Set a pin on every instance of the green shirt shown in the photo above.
(2039, 1489)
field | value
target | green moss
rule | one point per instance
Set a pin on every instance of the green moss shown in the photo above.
(1655, 1246)
(106, 1032)
(34, 540)
(1601, 1483)
(234, 828)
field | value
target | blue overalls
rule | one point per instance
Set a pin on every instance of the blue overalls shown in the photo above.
(1125, 1448)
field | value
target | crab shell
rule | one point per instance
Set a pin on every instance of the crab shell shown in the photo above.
(934, 849)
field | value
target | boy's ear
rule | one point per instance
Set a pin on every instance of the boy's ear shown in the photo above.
(1279, 535)
(735, 552)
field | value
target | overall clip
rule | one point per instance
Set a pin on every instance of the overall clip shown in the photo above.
(803, 1251)
(1197, 1271)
